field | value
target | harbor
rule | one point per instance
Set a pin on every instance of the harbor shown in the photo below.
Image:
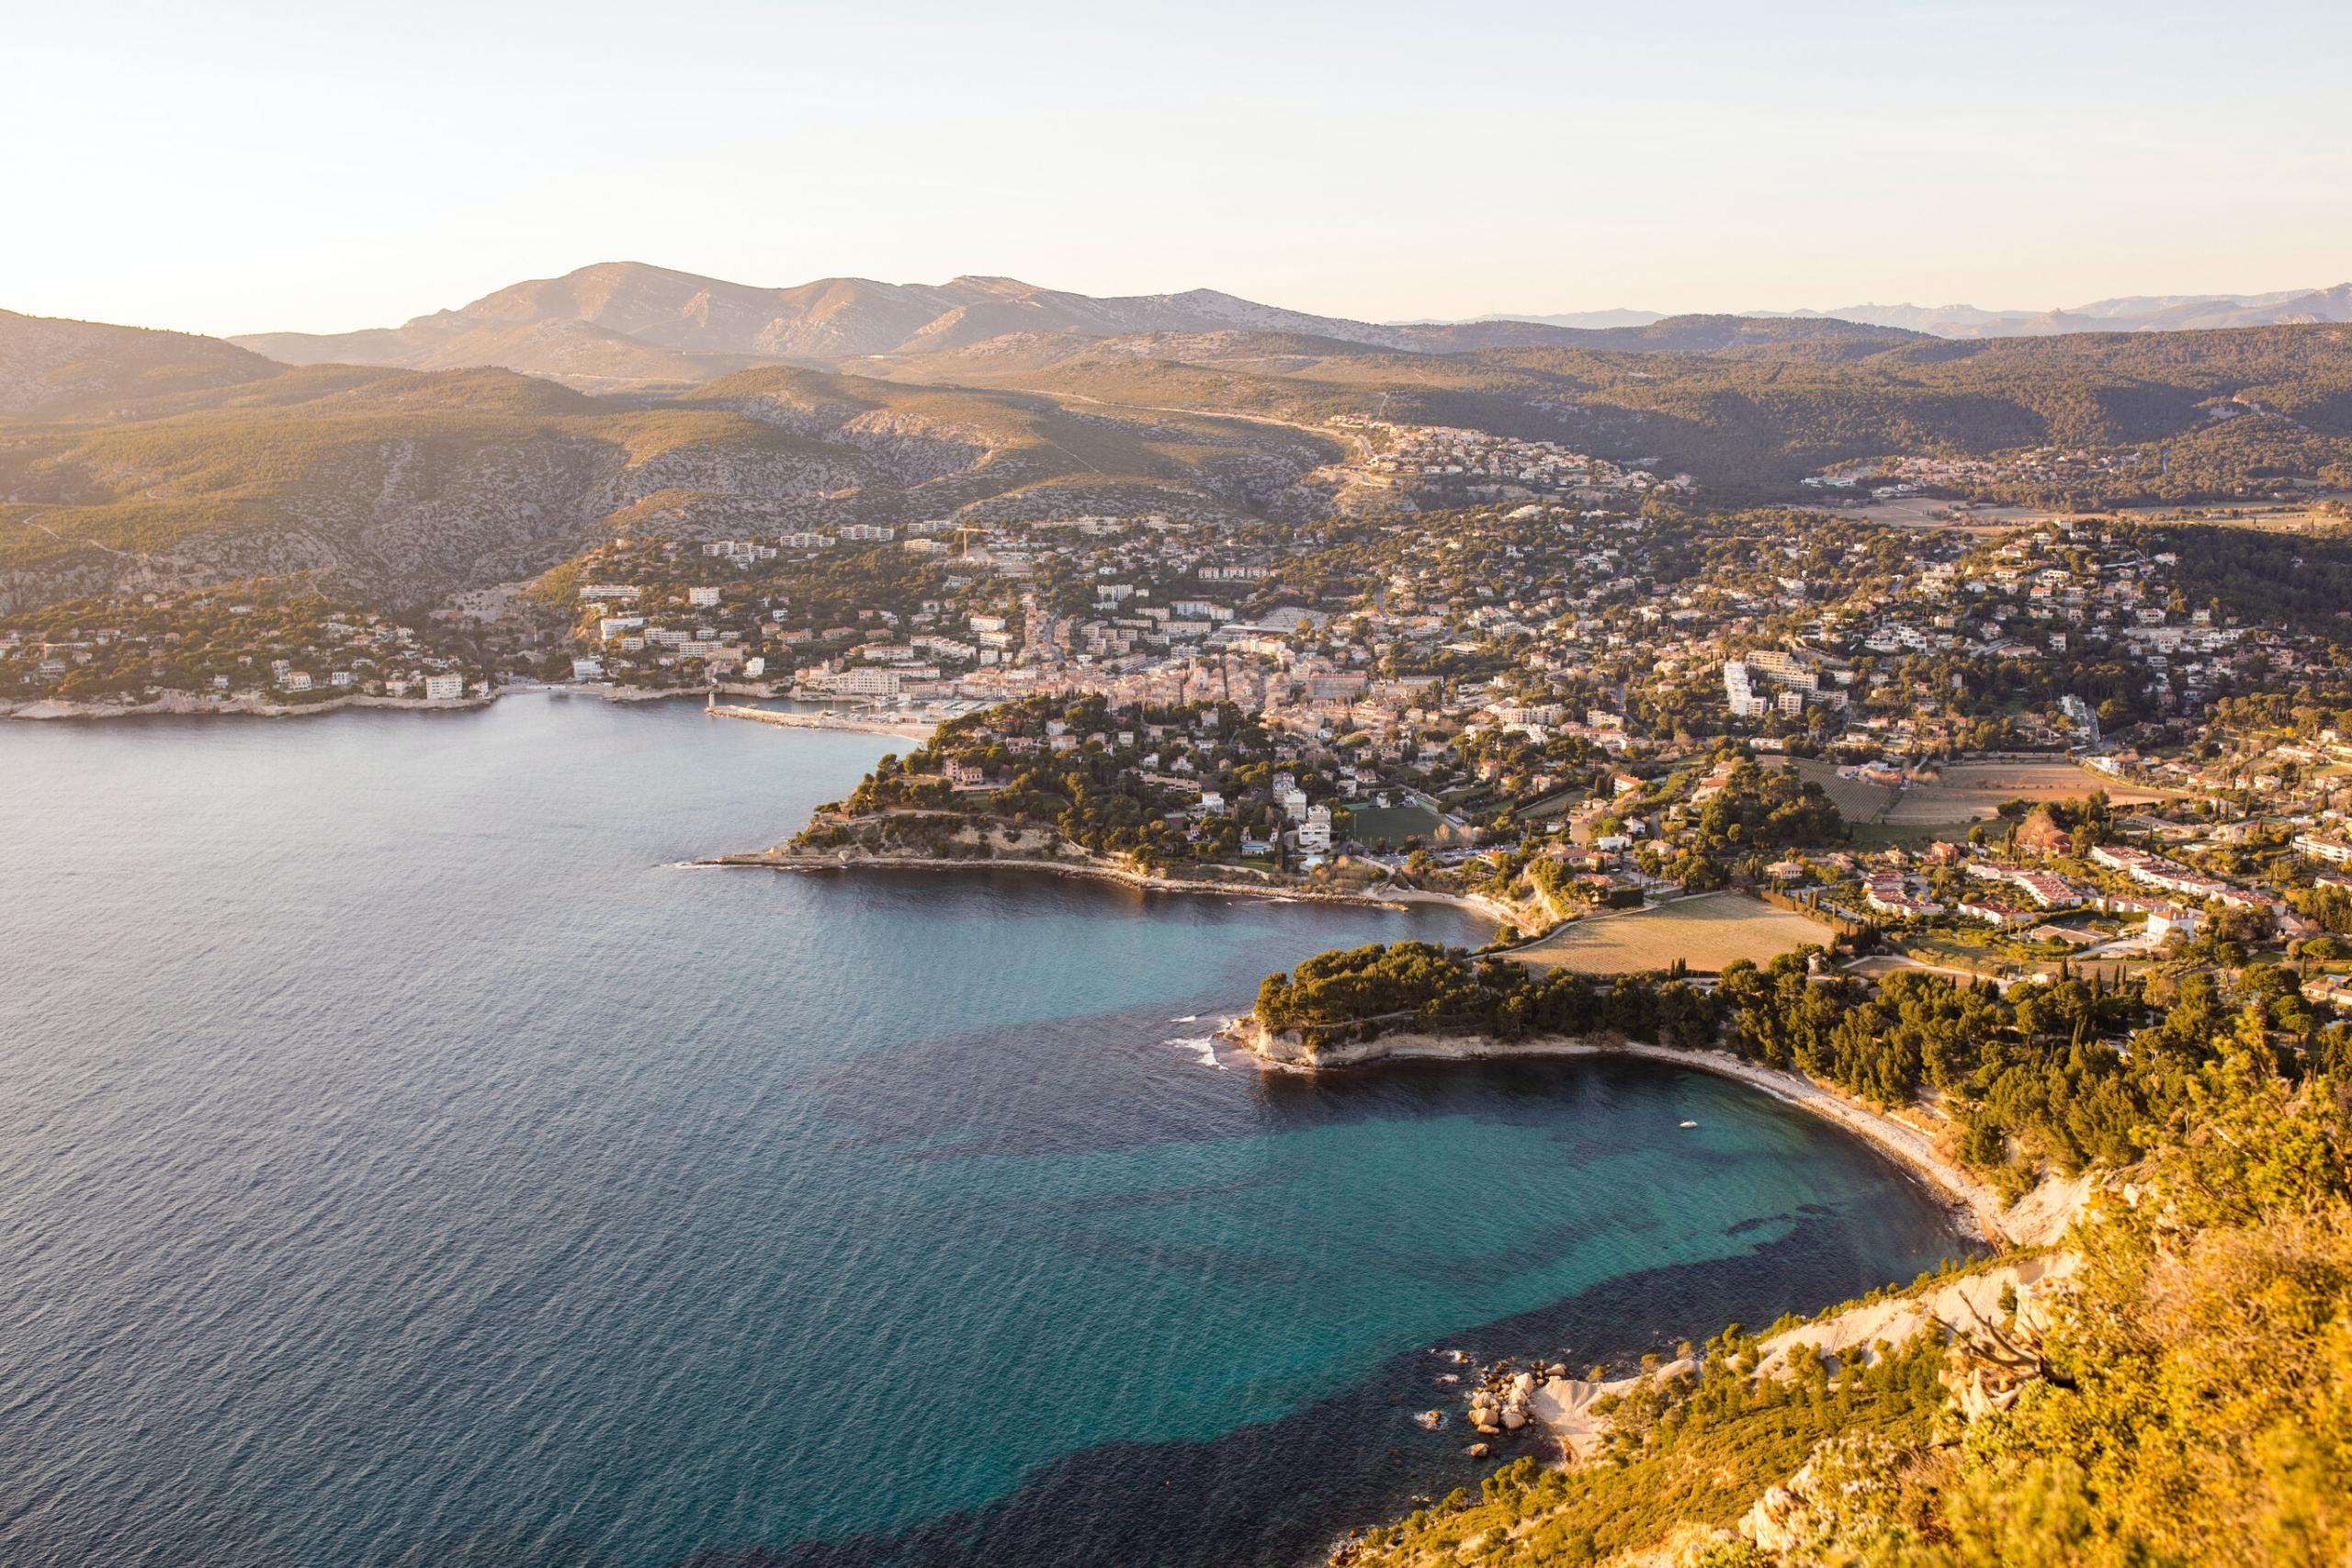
(907, 726)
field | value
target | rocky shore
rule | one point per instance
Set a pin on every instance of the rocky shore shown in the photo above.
(2032, 1221)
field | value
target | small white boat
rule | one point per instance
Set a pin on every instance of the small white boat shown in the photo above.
(1689, 1124)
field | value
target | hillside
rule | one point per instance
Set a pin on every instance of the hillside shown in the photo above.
(1751, 412)
(148, 457)
(402, 485)
(54, 367)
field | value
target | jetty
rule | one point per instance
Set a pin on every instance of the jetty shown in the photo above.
(868, 724)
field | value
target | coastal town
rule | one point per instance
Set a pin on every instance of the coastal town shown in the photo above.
(1546, 701)
(806, 786)
(1575, 690)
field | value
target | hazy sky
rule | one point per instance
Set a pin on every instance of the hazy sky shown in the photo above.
(234, 166)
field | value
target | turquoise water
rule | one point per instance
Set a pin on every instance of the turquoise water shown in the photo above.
(404, 1159)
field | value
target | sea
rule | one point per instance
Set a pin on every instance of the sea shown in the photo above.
(409, 1156)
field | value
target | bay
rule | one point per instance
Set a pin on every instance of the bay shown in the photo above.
(406, 1157)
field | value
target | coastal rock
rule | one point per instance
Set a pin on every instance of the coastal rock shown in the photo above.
(1513, 1420)
(1480, 1451)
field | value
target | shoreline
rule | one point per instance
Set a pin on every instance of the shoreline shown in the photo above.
(176, 704)
(1389, 898)
(192, 705)
(1910, 1148)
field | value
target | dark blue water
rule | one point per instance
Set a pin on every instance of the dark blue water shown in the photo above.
(404, 1160)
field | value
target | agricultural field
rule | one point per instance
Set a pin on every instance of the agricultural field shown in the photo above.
(1955, 795)
(1961, 793)
(1705, 932)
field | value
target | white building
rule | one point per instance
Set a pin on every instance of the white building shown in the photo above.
(2337, 852)
(869, 682)
(444, 688)
(1744, 702)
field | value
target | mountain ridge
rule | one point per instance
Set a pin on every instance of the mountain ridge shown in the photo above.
(2131, 312)
(623, 321)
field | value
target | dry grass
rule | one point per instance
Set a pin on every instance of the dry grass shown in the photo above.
(1856, 801)
(1705, 932)
(1967, 792)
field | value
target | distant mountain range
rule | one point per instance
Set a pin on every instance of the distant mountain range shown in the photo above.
(623, 322)
(626, 325)
(2129, 313)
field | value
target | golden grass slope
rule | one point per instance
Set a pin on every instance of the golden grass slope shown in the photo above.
(1705, 932)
